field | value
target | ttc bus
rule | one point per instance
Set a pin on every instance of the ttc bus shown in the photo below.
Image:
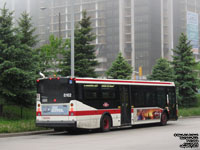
(87, 103)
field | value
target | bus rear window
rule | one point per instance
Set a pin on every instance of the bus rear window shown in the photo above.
(55, 91)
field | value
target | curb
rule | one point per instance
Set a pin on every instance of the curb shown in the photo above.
(2, 135)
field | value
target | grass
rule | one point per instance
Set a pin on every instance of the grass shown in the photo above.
(12, 122)
(186, 112)
(11, 126)
(13, 112)
(193, 111)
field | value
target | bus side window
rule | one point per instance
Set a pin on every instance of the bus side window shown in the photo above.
(108, 92)
(172, 95)
(109, 95)
(161, 97)
(137, 96)
(150, 97)
(90, 92)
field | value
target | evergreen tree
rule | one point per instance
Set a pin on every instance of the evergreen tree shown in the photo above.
(6, 38)
(6, 29)
(17, 66)
(85, 62)
(26, 30)
(197, 70)
(120, 69)
(162, 71)
(185, 77)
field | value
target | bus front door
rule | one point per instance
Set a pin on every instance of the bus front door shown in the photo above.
(125, 106)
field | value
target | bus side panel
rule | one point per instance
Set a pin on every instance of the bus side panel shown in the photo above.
(88, 122)
(116, 118)
(93, 121)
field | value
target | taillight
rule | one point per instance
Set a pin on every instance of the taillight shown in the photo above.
(72, 107)
(38, 113)
(58, 78)
(50, 78)
(54, 100)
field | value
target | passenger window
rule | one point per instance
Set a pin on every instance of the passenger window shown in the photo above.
(108, 92)
(172, 96)
(90, 92)
(161, 96)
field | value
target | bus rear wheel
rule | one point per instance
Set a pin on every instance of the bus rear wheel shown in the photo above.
(105, 123)
(164, 119)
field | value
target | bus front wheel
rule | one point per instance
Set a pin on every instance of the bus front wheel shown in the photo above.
(105, 123)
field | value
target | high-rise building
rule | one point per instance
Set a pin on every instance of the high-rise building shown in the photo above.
(55, 18)
(187, 20)
(142, 30)
(20, 6)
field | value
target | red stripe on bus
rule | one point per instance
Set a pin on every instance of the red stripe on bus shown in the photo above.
(120, 81)
(88, 112)
(95, 112)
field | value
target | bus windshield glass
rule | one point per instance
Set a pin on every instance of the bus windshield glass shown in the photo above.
(55, 90)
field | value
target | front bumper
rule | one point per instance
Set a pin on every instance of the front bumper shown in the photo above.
(56, 124)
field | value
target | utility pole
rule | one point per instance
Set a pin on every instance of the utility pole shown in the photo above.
(72, 38)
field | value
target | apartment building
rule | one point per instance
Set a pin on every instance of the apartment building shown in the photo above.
(55, 18)
(142, 30)
(20, 6)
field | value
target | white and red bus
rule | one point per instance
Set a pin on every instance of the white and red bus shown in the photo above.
(88, 103)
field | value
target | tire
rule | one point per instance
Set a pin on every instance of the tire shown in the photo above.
(105, 123)
(164, 119)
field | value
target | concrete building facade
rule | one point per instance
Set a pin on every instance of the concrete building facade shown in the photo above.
(142, 30)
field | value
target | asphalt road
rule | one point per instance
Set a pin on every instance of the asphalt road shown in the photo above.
(147, 137)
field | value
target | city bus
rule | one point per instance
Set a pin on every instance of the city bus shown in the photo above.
(88, 103)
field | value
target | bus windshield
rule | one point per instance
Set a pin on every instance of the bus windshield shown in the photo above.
(54, 90)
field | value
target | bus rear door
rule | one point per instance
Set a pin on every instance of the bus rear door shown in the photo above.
(125, 105)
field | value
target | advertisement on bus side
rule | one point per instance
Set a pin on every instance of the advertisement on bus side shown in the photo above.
(148, 114)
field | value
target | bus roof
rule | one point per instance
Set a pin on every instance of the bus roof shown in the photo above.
(116, 81)
(123, 82)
